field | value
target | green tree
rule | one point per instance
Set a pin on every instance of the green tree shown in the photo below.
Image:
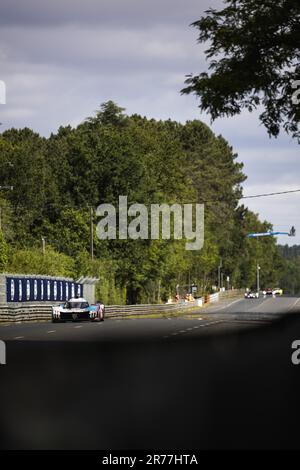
(57, 179)
(3, 252)
(32, 261)
(109, 114)
(290, 275)
(253, 56)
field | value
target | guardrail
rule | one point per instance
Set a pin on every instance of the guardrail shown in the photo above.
(30, 312)
(42, 312)
(214, 297)
(120, 310)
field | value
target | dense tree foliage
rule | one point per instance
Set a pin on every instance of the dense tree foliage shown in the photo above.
(291, 278)
(57, 180)
(3, 252)
(290, 252)
(254, 56)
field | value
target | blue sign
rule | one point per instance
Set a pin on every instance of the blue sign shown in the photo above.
(22, 289)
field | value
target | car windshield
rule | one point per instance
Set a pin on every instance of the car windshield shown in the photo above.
(77, 304)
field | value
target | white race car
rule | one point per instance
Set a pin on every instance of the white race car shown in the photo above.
(78, 309)
(251, 295)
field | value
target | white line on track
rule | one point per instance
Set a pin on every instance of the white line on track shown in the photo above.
(51, 331)
(193, 328)
(225, 306)
(78, 326)
(211, 323)
(294, 305)
(263, 303)
(19, 337)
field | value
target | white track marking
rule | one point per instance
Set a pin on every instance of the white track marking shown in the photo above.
(294, 305)
(19, 337)
(181, 332)
(51, 331)
(226, 306)
(256, 307)
(78, 326)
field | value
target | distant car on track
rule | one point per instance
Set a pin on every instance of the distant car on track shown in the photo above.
(277, 291)
(268, 291)
(78, 309)
(251, 295)
(273, 291)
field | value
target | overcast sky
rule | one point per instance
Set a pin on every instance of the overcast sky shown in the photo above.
(61, 59)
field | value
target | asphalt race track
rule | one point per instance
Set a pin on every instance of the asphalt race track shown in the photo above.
(221, 377)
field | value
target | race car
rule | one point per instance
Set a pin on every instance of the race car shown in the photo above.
(251, 295)
(277, 291)
(78, 309)
(268, 291)
(273, 291)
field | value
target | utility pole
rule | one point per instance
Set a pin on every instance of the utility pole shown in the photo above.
(219, 274)
(43, 246)
(91, 234)
(257, 277)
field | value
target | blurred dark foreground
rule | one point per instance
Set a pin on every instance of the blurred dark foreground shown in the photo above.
(233, 391)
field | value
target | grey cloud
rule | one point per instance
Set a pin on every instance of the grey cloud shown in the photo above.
(61, 59)
(272, 167)
(104, 49)
(119, 12)
(281, 211)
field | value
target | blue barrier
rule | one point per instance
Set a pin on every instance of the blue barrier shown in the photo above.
(30, 289)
